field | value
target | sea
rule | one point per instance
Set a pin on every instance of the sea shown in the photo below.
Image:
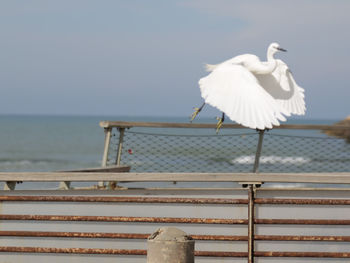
(60, 143)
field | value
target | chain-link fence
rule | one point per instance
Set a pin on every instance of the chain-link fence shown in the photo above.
(163, 152)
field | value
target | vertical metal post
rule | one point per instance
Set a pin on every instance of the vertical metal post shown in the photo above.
(251, 198)
(113, 185)
(120, 146)
(258, 151)
(108, 134)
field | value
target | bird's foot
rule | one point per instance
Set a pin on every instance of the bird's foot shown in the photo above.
(195, 113)
(219, 124)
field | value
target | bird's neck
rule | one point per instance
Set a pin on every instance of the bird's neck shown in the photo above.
(270, 54)
(271, 62)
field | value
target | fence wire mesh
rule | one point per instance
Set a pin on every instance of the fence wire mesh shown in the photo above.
(157, 152)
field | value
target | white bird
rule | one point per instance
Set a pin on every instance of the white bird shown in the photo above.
(252, 93)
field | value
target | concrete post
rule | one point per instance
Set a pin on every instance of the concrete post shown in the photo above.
(170, 245)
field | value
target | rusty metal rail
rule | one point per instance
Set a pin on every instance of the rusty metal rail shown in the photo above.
(249, 220)
(285, 201)
(195, 237)
(74, 250)
(182, 220)
(197, 253)
(127, 199)
(174, 200)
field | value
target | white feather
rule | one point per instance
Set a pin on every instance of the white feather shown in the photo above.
(235, 91)
(281, 85)
(253, 93)
(210, 67)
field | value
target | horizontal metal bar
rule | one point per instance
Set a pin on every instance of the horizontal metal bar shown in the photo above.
(221, 254)
(302, 254)
(73, 250)
(218, 238)
(274, 254)
(285, 201)
(112, 235)
(324, 178)
(302, 222)
(195, 237)
(124, 219)
(174, 220)
(125, 124)
(302, 238)
(110, 251)
(122, 199)
(74, 234)
(197, 253)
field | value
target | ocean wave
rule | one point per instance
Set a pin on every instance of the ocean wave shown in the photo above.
(28, 164)
(271, 159)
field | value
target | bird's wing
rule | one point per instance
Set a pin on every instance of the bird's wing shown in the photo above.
(281, 85)
(235, 91)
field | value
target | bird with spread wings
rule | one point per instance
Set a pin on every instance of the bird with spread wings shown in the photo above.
(253, 93)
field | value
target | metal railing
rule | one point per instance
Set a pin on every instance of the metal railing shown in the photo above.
(184, 147)
(253, 199)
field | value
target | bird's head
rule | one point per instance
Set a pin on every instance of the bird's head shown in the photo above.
(275, 47)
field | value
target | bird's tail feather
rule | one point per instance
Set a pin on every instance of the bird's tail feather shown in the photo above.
(210, 67)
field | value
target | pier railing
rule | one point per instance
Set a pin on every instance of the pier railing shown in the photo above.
(189, 147)
(226, 222)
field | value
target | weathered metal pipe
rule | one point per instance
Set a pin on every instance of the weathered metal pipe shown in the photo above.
(197, 253)
(251, 220)
(124, 199)
(176, 220)
(125, 219)
(195, 237)
(302, 221)
(220, 254)
(302, 254)
(258, 151)
(132, 199)
(302, 238)
(113, 235)
(74, 234)
(73, 250)
(286, 201)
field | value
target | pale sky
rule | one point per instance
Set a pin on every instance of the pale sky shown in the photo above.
(88, 57)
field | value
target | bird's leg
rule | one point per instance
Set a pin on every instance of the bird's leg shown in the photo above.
(220, 122)
(196, 111)
(264, 130)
